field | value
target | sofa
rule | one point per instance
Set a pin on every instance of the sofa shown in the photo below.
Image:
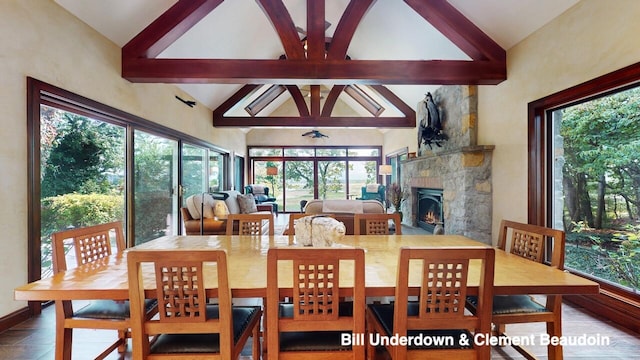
(217, 206)
(344, 210)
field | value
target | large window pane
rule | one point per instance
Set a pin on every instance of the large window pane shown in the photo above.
(364, 152)
(361, 173)
(265, 152)
(216, 171)
(596, 187)
(298, 184)
(194, 170)
(331, 152)
(155, 181)
(299, 152)
(82, 165)
(332, 179)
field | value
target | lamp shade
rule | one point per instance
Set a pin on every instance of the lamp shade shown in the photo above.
(384, 170)
(272, 170)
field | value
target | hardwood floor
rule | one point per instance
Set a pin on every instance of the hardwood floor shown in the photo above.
(34, 339)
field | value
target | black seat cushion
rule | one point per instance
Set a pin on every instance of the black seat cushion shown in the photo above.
(384, 315)
(110, 309)
(511, 304)
(313, 340)
(205, 343)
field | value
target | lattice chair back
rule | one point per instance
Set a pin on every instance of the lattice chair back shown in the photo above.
(441, 275)
(250, 224)
(90, 243)
(180, 291)
(92, 246)
(533, 242)
(189, 325)
(316, 290)
(309, 325)
(376, 224)
(444, 289)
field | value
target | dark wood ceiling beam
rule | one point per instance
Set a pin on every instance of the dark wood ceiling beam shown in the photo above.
(332, 98)
(298, 99)
(394, 100)
(167, 28)
(193, 71)
(281, 20)
(460, 30)
(234, 99)
(314, 121)
(346, 27)
(315, 30)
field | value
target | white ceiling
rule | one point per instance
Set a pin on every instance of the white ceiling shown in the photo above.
(237, 29)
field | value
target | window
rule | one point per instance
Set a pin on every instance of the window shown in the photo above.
(596, 182)
(395, 159)
(583, 146)
(91, 164)
(305, 173)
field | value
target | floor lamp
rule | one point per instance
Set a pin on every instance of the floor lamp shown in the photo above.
(385, 170)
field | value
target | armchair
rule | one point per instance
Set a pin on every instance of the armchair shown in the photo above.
(260, 193)
(373, 192)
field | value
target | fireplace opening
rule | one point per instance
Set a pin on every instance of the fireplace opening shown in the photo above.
(430, 210)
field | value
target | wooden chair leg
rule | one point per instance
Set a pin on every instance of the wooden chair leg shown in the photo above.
(123, 336)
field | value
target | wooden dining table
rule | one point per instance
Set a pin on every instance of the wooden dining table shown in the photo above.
(247, 259)
(247, 265)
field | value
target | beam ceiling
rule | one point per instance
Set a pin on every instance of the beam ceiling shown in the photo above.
(318, 64)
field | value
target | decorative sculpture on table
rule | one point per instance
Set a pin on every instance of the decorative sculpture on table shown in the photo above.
(430, 127)
(318, 230)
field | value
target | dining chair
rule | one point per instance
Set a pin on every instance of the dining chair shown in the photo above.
(190, 324)
(312, 323)
(543, 245)
(436, 325)
(92, 245)
(250, 224)
(376, 224)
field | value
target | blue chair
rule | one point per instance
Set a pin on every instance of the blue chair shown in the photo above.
(373, 192)
(260, 193)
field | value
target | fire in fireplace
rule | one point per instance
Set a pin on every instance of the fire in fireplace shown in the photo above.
(430, 210)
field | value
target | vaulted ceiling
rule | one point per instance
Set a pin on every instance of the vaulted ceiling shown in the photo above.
(317, 50)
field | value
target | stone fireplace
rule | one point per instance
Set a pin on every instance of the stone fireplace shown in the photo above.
(458, 174)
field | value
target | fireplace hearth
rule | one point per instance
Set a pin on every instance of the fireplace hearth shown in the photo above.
(430, 209)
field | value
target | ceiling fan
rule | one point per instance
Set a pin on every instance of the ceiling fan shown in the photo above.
(315, 134)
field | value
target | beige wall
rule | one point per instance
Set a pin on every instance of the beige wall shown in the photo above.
(593, 38)
(41, 40)
(294, 137)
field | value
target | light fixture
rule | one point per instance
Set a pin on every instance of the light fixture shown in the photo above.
(384, 170)
(272, 170)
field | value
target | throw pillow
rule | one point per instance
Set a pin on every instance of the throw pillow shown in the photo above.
(247, 204)
(220, 209)
(194, 205)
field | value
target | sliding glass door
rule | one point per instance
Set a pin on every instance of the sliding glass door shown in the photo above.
(82, 183)
(155, 186)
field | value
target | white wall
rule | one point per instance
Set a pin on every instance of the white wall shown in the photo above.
(41, 40)
(592, 38)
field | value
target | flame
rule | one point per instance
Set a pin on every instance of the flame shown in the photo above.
(431, 218)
